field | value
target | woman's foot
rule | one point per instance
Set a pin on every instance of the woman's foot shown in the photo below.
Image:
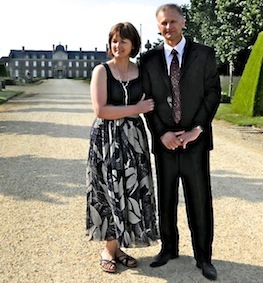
(108, 263)
(125, 259)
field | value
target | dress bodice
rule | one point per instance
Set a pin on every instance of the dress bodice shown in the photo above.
(116, 92)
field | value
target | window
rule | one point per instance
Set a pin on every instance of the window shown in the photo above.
(26, 63)
(49, 64)
(77, 64)
(50, 73)
(85, 57)
(43, 74)
(43, 63)
(85, 64)
(92, 64)
(85, 74)
(16, 73)
(16, 63)
(77, 73)
(34, 73)
(34, 63)
(70, 74)
(70, 64)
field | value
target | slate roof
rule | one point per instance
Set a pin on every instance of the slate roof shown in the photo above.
(38, 54)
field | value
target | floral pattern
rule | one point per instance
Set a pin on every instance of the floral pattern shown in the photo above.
(120, 194)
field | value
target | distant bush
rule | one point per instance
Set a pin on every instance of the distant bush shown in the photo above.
(3, 71)
(248, 97)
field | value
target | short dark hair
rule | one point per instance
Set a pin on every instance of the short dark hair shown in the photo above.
(128, 31)
(169, 6)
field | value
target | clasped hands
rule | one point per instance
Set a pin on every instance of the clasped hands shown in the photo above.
(173, 140)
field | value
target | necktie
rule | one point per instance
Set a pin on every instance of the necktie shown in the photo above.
(175, 77)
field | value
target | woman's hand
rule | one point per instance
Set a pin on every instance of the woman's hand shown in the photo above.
(145, 105)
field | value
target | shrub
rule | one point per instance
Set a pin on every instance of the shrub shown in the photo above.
(3, 72)
(248, 98)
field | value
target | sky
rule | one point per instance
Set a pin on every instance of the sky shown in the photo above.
(38, 24)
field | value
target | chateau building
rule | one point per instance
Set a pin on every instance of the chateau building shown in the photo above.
(57, 63)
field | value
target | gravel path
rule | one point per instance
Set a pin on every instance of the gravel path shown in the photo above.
(43, 147)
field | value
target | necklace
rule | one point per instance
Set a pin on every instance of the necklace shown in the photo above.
(124, 85)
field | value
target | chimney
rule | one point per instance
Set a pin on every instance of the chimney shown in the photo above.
(80, 49)
(66, 47)
(53, 47)
(96, 49)
(23, 48)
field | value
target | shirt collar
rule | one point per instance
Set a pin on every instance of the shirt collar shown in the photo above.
(179, 47)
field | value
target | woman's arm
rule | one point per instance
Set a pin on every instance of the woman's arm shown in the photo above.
(98, 89)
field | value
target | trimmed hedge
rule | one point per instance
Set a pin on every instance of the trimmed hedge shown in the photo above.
(248, 98)
(3, 72)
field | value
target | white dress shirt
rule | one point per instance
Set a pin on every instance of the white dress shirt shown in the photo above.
(180, 51)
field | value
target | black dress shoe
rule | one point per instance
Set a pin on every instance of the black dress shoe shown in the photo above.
(208, 270)
(162, 258)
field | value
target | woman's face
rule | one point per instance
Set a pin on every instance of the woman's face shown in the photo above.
(121, 47)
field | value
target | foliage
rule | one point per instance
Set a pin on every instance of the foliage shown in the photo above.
(248, 99)
(204, 20)
(228, 25)
(238, 22)
(3, 71)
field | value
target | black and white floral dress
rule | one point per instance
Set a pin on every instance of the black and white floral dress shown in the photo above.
(120, 193)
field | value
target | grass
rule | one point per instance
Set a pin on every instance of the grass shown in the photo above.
(225, 113)
(6, 94)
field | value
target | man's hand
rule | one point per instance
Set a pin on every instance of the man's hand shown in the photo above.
(171, 140)
(189, 136)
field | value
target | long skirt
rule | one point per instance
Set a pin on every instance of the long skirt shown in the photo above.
(120, 194)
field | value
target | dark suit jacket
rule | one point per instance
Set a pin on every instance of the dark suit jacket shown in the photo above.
(199, 87)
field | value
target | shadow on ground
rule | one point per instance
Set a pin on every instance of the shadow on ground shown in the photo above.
(45, 179)
(183, 269)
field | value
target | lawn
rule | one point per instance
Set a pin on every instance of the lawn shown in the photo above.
(6, 94)
(225, 112)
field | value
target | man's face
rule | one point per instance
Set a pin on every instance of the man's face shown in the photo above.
(170, 24)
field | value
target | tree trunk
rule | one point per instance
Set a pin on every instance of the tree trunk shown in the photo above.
(230, 85)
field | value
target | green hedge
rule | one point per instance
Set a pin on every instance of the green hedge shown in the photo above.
(248, 97)
(3, 72)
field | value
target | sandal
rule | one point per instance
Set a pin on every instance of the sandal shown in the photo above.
(106, 265)
(124, 259)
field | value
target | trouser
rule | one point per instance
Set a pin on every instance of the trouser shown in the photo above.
(192, 166)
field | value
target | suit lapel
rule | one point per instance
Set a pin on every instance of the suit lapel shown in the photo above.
(161, 65)
(189, 56)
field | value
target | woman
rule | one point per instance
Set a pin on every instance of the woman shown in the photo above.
(120, 197)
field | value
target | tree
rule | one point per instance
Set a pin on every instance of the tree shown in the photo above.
(3, 71)
(238, 22)
(203, 21)
(228, 25)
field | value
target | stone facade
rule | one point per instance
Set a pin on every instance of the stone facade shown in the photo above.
(57, 63)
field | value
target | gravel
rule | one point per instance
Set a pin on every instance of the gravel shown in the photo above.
(43, 147)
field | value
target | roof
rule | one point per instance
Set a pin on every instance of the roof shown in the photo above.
(48, 54)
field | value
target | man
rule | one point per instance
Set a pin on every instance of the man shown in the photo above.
(182, 134)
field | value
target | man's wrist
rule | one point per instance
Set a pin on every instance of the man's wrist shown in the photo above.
(200, 128)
